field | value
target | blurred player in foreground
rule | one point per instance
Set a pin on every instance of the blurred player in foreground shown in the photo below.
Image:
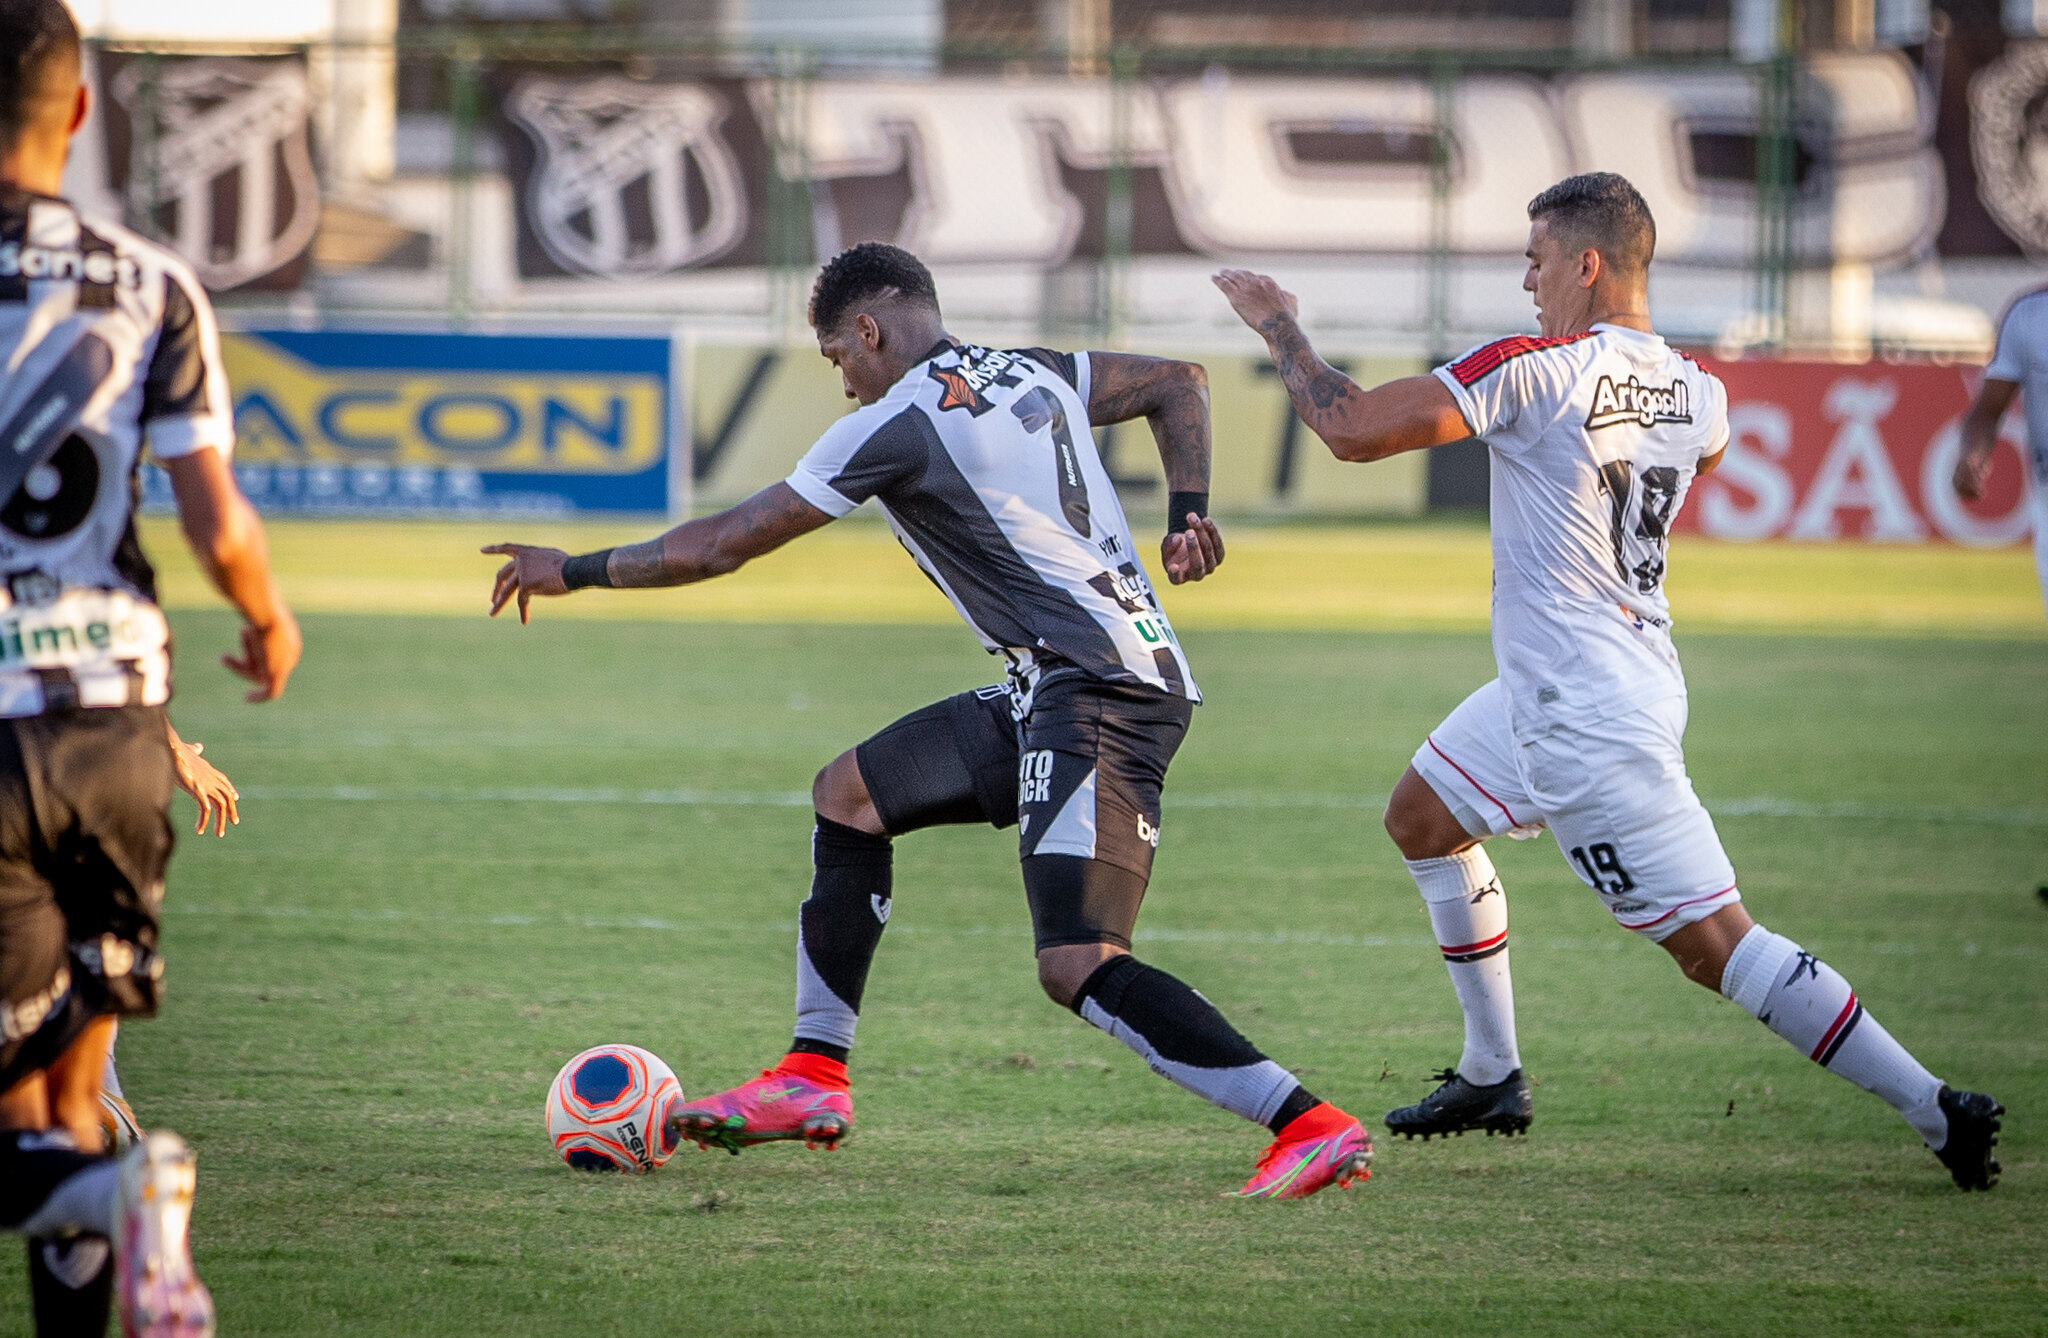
(982, 461)
(2019, 366)
(1595, 431)
(109, 347)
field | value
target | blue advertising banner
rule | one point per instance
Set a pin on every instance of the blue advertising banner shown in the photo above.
(387, 422)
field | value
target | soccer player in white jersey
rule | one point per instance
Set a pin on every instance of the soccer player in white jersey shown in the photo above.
(1595, 431)
(107, 347)
(2019, 366)
(982, 462)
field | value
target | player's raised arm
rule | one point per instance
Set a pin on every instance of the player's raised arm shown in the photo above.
(1173, 398)
(694, 551)
(1411, 414)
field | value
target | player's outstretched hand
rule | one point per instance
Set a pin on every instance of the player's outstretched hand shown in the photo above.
(1255, 297)
(206, 783)
(1194, 552)
(269, 654)
(532, 571)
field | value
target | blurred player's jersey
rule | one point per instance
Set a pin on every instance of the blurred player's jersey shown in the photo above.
(982, 461)
(2022, 358)
(1594, 440)
(108, 339)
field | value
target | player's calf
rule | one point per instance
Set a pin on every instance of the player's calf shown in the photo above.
(1808, 1003)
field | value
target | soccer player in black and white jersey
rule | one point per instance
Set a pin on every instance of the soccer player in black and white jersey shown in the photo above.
(1595, 431)
(983, 464)
(107, 347)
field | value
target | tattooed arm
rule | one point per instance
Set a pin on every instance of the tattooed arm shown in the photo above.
(1173, 399)
(1411, 414)
(694, 551)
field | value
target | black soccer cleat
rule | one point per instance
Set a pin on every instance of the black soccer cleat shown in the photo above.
(1457, 1105)
(1973, 1127)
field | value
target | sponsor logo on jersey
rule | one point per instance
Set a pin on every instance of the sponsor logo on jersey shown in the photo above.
(74, 263)
(24, 1018)
(961, 387)
(1630, 401)
(603, 140)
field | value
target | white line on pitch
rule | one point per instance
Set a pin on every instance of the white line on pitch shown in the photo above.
(657, 924)
(1758, 807)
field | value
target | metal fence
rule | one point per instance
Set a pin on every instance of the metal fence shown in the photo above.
(579, 177)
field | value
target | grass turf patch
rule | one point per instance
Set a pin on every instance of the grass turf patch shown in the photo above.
(471, 850)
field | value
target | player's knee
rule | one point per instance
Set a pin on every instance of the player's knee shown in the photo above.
(1063, 970)
(1419, 824)
(839, 793)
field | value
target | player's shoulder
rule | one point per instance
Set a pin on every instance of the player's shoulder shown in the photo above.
(1560, 350)
(2029, 307)
(852, 431)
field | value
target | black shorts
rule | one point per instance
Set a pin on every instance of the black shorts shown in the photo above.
(85, 836)
(1080, 777)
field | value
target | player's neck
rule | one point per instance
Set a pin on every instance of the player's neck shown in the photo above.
(1629, 309)
(34, 165)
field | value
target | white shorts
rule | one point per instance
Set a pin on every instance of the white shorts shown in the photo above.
(1613, 792)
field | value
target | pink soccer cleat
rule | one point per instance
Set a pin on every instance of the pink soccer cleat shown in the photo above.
(155, 1286)
(1322, 1146)
(806, 1096)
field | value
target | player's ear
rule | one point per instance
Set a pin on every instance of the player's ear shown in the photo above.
(80, 106)
(1591, 264)
(869, 330)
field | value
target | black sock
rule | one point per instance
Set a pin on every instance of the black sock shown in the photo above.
(1299, 1102)
(838, 928)
(71, 1285)
(43, 1173)
(1182, 1036)
(804, 1045)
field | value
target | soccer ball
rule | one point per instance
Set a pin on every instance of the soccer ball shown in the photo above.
(608, 1110)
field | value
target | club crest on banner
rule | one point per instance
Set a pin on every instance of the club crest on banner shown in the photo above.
(228, 177)
(2009, 141)
(634, 179)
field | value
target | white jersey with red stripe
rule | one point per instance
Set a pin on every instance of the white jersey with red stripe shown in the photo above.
(1594, 440)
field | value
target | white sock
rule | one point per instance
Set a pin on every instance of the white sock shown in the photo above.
(1469, 912)
(1807, 1002)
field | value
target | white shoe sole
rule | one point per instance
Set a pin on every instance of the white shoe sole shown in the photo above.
(158, 1292)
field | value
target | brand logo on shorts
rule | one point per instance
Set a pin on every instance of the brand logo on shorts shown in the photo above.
(1631, 401)
(1034, 777)
(1148, 832)
(882, 906)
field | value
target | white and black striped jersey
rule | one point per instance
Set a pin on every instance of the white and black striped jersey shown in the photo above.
(110, 339)
(982, 461)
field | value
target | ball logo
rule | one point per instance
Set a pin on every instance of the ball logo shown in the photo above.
(602, 143)
(228, 126)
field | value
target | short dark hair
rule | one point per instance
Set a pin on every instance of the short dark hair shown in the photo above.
(865, 270)
(1603, 211)
(38, 46)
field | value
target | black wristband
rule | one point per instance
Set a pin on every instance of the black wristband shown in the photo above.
(588, 569)
(1178, 504)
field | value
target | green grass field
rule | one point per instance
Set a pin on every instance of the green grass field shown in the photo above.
(471, 849)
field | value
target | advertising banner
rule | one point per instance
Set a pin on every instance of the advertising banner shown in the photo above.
(1820, 451)
(376, 421)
